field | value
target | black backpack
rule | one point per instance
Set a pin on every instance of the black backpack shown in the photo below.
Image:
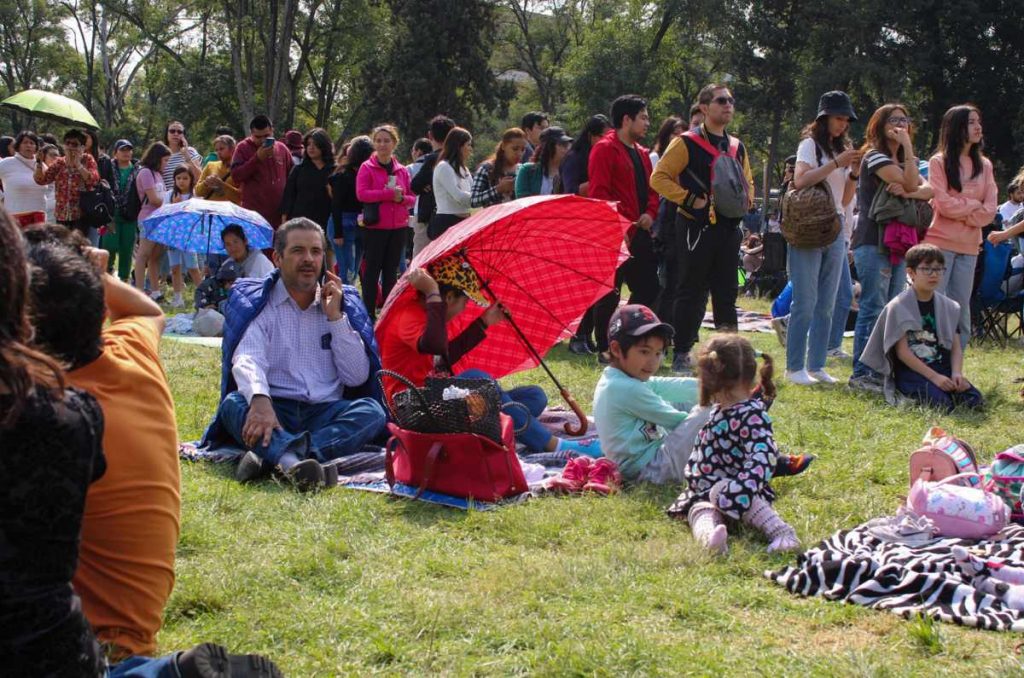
(97, 205)
(129, 204)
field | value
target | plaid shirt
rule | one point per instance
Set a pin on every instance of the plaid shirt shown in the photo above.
(483, 194)
(68, 185)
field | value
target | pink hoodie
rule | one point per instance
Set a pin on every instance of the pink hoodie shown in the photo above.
(372, 186)
(959, 216)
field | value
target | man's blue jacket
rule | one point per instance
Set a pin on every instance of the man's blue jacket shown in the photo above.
(248, 297)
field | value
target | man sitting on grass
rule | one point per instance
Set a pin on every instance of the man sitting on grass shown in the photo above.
(130, 524)
(294, 349)
(916, 342)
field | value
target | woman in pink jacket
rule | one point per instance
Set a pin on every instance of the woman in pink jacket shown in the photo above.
(382, 185)
(964, 203)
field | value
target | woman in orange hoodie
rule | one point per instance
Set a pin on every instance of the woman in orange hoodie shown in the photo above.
(964, 203)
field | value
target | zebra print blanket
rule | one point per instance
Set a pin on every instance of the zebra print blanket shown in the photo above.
(858, 568)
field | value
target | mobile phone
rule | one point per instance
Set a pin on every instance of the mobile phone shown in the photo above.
(323, 272)
(268, 142)
(391, 181)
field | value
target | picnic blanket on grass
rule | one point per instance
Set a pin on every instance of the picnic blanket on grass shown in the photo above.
(855, 567)
(364, 470)
(748, 321)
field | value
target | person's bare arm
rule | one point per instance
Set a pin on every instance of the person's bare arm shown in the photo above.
(123, 300)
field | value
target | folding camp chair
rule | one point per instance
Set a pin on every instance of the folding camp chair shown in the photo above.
(999, 316)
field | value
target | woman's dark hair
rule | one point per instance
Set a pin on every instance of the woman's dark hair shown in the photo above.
(182, 169)
(75, 134)
(874, 135)
(235, 230)
(452, 150)
(22, 135)
(48, 138)
(727, 360)
(953, 137)
(666, 133)
(6, 146)
(322, 140)
(544, 153)
(95, 150)
(825, 143)
(22, 368)
(167, 130)
(359, 151)
(156, 152)
(422, 145)
(67, 304)
(499, 163)
(596, 125)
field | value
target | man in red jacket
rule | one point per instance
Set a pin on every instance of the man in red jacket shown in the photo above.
(260, 166)
(620, 170)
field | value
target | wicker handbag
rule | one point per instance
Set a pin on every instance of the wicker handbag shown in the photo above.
(425, 409)
(809, 216)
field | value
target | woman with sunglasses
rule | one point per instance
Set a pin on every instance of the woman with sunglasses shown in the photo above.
(889, 165)
(965, 202)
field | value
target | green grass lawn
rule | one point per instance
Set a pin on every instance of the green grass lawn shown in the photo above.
(349, 583)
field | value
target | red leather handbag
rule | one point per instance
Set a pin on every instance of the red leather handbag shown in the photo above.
(463, 465)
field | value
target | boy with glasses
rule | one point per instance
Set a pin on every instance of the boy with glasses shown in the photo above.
(915, 344)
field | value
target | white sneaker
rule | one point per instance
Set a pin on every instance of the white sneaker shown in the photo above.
(801, 378)
(156, 295)
(838, 353)
(822, 376)
(177, 302)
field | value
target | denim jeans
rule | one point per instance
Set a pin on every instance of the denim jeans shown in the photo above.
(535, 437)
(957, 284)
(880, 281)
(333, 429)
(146, 667)
(348, 255)
(815, 273)
(844, 298)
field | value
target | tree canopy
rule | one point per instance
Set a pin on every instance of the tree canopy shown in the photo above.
(347, 64)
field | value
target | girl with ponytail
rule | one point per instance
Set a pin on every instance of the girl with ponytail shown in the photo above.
(735, 457)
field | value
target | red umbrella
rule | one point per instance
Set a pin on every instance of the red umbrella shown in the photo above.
(546, 259)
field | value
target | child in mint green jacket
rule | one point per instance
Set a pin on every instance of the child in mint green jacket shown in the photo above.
(643, 421)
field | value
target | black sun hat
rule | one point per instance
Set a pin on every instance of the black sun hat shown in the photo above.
(836, 103)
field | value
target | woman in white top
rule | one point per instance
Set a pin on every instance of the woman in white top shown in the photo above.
(453, 183)
(21, 192)
(825, 155)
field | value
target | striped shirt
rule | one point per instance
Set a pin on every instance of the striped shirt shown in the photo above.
(287, 352)
(174, 162)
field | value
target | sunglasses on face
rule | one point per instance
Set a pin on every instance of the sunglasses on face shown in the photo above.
(724, 101)
(176, 131)
(899, 121)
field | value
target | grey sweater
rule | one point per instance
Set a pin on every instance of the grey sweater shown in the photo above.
(900, 316)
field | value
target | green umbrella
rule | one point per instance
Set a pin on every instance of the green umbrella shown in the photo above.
(50, 106)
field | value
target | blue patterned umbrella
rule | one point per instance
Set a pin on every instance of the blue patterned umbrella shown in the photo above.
(195, 225)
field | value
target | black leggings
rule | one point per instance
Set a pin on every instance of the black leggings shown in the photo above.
(382, 252)
(640, 272)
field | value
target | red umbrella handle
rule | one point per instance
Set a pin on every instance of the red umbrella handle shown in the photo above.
(580, 414)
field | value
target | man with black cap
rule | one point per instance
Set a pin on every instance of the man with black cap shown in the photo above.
(620, 170)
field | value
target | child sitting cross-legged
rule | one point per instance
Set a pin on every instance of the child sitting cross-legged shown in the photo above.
(647, 424)
(916, 341)
(734, 457)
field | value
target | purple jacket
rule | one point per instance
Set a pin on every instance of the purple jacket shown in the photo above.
(372, 186)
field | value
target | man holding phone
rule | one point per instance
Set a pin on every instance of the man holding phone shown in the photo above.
(260, 167)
